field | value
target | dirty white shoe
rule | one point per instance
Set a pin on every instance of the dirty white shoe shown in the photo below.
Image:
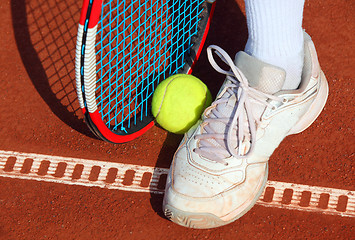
(220, 168)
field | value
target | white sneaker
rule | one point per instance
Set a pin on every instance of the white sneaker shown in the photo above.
(220, 168)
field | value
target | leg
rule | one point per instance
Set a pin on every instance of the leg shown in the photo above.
(221, 167)
(276, 35)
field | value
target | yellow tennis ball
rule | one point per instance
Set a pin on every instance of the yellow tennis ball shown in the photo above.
(179, 101)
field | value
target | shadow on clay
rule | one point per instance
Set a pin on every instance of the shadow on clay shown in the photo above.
(45, 33)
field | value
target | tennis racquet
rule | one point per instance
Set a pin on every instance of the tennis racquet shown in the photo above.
(124, 49)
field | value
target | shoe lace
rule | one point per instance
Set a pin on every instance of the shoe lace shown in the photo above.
(241, 128)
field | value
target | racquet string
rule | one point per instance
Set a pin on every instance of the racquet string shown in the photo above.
(138, 44)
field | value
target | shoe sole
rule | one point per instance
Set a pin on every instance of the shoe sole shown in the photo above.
(315, 109)
(207, 220)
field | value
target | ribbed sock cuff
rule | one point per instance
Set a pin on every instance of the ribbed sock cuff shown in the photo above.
(275, 27)
(276, 35)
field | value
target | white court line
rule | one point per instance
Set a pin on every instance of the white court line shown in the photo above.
(136, 178)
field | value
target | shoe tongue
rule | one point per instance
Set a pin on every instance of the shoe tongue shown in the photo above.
(261, 76)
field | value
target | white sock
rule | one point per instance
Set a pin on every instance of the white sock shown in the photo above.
(276, 35)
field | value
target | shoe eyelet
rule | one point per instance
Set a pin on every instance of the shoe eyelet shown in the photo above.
(226, 164)
(284, 100)
(273, 108)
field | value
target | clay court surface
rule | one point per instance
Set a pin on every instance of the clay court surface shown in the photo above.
(57, 181)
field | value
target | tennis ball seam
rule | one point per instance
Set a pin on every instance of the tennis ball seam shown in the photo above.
(160, 101)
(167, 86)
(165, 90)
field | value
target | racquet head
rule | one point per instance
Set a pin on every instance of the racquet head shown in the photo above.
(124, 49)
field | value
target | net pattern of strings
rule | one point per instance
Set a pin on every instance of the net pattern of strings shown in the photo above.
(47, 35)
(140, 43)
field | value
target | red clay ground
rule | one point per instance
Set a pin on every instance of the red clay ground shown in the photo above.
(39, 114)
